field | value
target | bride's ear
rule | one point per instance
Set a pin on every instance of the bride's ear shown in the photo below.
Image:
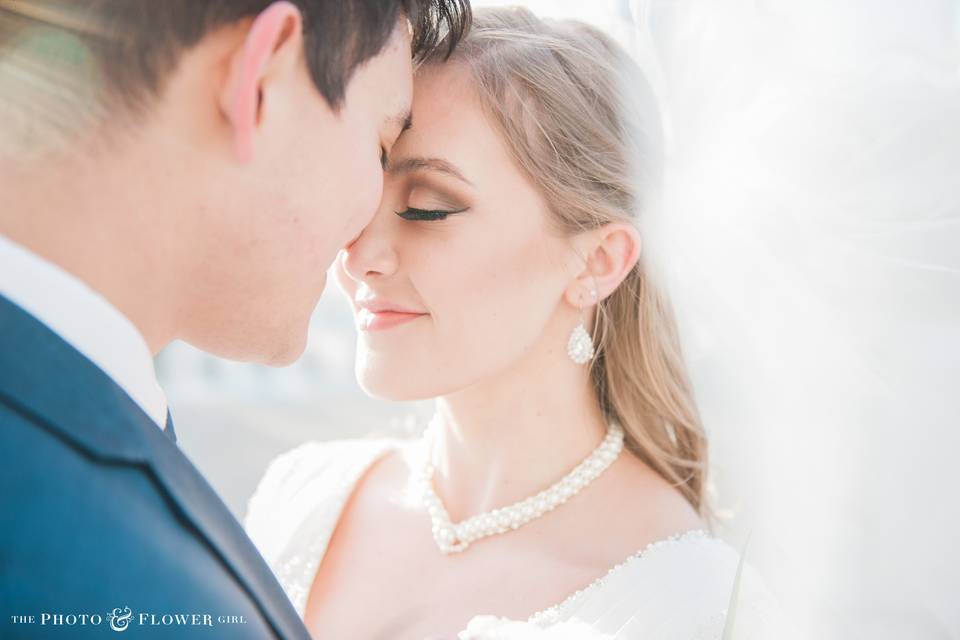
(271, 48)
(609, 254)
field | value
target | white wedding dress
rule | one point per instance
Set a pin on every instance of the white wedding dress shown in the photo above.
(674, 589)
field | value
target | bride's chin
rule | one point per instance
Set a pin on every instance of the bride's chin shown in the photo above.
(391, 391)
(394, 384)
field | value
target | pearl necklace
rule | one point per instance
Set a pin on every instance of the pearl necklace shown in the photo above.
(451, 537)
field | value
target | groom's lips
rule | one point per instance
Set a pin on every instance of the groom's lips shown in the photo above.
(373, 316)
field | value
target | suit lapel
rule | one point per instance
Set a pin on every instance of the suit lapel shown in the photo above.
(43, 377)
(214, 522)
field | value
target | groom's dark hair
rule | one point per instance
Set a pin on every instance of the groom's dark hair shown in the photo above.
(135, 44)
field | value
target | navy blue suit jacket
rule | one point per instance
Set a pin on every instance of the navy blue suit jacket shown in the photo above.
(102, 518)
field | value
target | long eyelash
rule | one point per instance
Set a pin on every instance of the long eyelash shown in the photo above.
(412, 213)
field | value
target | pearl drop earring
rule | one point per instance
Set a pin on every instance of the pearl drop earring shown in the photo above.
(580, 346)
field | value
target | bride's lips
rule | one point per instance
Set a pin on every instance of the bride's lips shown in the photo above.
(379, 317)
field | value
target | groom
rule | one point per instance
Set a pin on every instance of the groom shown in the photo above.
(169, 169)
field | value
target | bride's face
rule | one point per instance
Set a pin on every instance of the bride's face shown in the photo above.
(459, 276)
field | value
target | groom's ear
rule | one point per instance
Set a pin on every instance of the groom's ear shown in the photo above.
(609, 255)
(273, 46)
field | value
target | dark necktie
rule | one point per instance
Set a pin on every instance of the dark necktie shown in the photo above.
(169, 429)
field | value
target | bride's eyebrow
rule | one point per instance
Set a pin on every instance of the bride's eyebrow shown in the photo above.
(409, 165)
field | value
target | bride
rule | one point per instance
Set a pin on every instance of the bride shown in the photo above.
(562, 479)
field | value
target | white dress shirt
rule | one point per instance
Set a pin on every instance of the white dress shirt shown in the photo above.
(84, 319)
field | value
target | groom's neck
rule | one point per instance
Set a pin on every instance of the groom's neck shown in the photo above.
(89, 219)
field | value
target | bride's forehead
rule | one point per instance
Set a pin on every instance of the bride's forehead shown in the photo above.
(452, 80)
(444, 115)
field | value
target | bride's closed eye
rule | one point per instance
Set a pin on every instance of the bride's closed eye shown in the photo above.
(413, 213)
(435, 203)
(426, 181)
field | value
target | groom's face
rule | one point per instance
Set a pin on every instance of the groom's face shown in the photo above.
(313, 184)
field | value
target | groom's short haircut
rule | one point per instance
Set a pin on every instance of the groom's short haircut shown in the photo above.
(132, 45)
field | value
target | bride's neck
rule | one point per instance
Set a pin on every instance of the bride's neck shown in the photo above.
(504, 440)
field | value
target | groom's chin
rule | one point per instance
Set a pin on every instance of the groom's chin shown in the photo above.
(284, 358)
(272, 346)
(286, 350)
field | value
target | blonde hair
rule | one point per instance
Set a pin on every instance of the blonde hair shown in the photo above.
(580, 118)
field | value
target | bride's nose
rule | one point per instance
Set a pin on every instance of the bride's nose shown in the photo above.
(373, 253)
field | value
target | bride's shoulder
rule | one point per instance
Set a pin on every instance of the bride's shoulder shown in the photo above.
(687, 584)
(309, 474)
(696, 578)
(313, 460)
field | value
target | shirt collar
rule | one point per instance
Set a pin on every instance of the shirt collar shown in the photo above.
(84, 319)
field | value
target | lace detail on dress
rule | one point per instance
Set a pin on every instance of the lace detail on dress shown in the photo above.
(553, 614)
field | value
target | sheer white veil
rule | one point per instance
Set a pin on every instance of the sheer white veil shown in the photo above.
(811, 241)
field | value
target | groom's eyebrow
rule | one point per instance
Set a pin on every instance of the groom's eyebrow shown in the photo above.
(403, 121)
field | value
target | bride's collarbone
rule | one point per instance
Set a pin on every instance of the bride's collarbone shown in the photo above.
(382, 552)
(419, 592)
